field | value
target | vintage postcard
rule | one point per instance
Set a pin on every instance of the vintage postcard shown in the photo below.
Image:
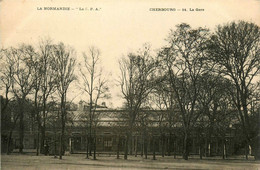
(110, 84)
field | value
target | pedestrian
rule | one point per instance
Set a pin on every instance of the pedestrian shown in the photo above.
(47, 149)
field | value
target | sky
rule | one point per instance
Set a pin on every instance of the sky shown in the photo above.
(115, 27)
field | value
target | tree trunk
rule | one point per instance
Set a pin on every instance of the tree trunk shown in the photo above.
(55, 145)
(62, 125)
(130, 143)
(209, 149)
(142, 145)
(9, 142)
(223, 149)
(21, 132)
(60, 152)
(87, 146)
(43, 128)
(209, 142)
(136, 145)
(246, 151)
(185, 147)
(90, 141)
(145, 147)
(117, 152)
(205, 147)
(163, 142)
(10, 135)
(169, 145)
(38, 120)
(200, 143)
(94, 142)
(154, 149)
(200, 151)
(90, 145)
(126, 147)
(174, 148)
(42, 139)
(38, 142)
(39, 147)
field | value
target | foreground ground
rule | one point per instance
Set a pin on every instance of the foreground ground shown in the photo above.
(78, 161)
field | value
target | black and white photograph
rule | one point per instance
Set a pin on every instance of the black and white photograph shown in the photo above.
(122, 85)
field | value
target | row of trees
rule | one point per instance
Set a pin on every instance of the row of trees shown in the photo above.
(198, 75)
(42, 75)
(200, 79)
(30, 74)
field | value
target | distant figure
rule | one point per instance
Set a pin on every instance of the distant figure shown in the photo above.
(46, 149)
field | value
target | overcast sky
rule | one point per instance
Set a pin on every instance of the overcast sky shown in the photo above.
(118, 27)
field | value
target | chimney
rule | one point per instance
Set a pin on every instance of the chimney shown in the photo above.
(103, 104)
(81, 105)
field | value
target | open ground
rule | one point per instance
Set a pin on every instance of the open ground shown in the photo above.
(78, 161)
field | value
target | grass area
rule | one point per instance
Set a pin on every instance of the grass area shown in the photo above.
(78, 161)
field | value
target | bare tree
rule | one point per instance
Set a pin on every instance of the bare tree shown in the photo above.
(163, 98)
(184, 63)
(6, 75)
(44, 85)
(95, 86)
(37, 74)
(144, 125)
(136, 83)
(64, 72)
(213, 93)
(235, 49)
(48, 83)
(23, 80)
